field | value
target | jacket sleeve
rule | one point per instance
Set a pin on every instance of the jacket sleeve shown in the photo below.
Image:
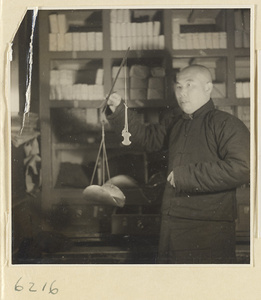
(151, 137)
(230, 170)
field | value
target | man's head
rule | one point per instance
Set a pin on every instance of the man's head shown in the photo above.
(193, 88)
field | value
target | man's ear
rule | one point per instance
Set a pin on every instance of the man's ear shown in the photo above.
(209, 87)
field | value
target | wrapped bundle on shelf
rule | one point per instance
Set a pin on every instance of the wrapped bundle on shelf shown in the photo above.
(68, 41)
(138, 94)
(156, 83)
(242, 89)
(98, 92)
(242, 68)
(53, 22)
(62, 23)
(124, 70)
(58, 23)
(53, 42)
(76, 92)
(158, 72)
(76, 41)
(139, 71)
(83, 41)
(155, 88)
(138, 35)
(120, 84)
(202, 40)
(246, 89)
(98, 41)
(209, 40)
(239, 89)
(215, 40)
(180, 63)
(60, 42)
(67, 77)
(195, 41)
(99, 77)
(138, 83)
(222, 40)
(84, 92)
(155, 94)
(199, 40)
(91, 41)
(67, 91)
(92, 116)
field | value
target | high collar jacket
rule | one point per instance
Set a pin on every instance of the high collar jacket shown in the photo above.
(209, 153)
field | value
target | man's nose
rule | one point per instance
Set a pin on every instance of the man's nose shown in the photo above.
(183, 91)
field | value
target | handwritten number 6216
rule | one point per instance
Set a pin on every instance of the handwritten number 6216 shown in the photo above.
(19, 287)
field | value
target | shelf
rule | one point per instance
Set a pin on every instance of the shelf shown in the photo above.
(78, 146)
(148, 103)
(138, 53)
(114, 54)
(64, 55)
(97, 103)
(210, 52)
(200, 53)
(141, 103)
(76, 103)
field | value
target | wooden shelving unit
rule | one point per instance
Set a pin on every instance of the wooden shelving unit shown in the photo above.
(51, 146)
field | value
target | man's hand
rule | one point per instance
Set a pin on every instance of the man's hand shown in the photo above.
(114, 101)
(170, 179)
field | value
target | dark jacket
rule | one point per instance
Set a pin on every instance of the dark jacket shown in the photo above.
(209, 153)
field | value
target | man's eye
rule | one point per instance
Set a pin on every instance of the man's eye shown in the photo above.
(188, 84)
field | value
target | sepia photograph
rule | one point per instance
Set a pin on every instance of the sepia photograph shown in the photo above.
(130, 136)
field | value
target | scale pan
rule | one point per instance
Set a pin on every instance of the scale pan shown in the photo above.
(123, 181)
(108, 194)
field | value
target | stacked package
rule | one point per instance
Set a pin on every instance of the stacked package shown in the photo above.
(62, 40)
(143, 82)
(136, 35)
(242, 77)
(242, 28)
(122, 84)
(196, 40)
(156, 84)
(63, 86)
(243, 89)
(139, 75)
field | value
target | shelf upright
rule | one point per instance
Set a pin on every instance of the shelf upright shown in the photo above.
(46, 133)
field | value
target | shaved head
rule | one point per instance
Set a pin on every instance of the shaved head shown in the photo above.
(197, 70)
(193, 87)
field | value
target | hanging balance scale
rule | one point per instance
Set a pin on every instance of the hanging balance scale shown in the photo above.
(107, 193)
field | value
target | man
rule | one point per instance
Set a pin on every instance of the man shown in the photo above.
(209, 157)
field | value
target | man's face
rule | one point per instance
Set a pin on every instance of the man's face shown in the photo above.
(192, 90)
